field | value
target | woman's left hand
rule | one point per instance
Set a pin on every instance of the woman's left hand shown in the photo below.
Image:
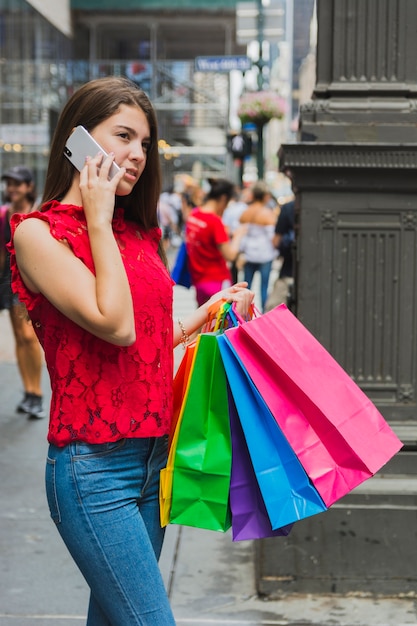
(238, 293)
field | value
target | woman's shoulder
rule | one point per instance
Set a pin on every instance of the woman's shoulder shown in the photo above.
(268, 216)
(248, 215)
(31, 221)
(50, 212)
(64, 223)
(259, 215)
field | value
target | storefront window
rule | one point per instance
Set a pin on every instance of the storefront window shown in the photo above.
(33, 85)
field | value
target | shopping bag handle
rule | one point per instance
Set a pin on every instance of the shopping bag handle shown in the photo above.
(253, 312)
(219, 311)
(213, 313)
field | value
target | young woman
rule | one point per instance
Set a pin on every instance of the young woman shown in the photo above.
(91, 269)
(258, 247)
(20, 196)
(209, 247)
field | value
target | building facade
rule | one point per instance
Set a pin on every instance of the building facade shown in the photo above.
(50, 47)
(32, 86)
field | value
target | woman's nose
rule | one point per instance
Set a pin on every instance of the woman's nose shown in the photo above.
(137, 152)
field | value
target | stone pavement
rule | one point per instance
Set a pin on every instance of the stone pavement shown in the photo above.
(210, 579)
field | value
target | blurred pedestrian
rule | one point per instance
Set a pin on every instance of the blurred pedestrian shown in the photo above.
(20, 197)
(170, 217)
(257, 245)
(92, 270)
(231, 219)
(284, 242)
(209, 247)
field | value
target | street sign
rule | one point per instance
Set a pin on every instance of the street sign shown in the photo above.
(222, 64)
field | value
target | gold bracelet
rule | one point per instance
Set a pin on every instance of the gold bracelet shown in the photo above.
(185, 338)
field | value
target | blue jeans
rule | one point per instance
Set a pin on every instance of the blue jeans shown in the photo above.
(104, 501)
(264, 269)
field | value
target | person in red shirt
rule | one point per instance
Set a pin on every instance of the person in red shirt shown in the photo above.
(209, 248)
(91, 269)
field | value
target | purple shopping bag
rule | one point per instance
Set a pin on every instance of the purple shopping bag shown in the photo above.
(249, 515)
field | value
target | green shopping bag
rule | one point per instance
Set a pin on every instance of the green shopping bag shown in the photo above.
(203, 456)
(180, 392)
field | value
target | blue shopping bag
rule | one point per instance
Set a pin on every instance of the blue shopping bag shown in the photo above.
(286, 489)
(180, 272)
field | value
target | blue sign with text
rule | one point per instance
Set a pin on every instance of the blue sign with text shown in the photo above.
(222, 64)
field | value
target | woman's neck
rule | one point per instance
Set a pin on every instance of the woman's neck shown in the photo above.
(73, 195)
(209, 207)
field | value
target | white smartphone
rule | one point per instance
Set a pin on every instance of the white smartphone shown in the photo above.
(81, 144)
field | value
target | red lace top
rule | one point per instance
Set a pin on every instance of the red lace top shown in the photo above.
(102, 392)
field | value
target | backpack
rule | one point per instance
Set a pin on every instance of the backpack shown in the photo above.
(3, 218)
(3, 214)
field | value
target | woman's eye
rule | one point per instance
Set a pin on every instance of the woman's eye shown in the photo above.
(146, 146)
(124, 135)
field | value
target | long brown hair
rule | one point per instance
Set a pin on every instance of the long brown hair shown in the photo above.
(90, 105)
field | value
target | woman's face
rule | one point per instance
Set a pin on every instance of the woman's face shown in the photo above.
(127, 135)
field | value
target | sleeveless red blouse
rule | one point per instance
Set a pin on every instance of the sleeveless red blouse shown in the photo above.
(102, 392)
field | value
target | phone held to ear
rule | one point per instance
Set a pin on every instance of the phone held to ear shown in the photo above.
(81, 144)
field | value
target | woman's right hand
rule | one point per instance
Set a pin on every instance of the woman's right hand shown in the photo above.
(97, 191)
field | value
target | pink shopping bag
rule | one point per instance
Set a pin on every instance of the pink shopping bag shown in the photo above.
(338, 434)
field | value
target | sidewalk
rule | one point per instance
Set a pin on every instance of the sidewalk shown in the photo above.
(210, 579)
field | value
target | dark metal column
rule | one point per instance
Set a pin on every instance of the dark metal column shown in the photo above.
(354, 172)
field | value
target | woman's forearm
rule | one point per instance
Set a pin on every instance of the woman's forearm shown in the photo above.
(114, 300)
(187, 326)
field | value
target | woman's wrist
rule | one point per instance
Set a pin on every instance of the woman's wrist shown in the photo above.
(185, 338)
(185, 328)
